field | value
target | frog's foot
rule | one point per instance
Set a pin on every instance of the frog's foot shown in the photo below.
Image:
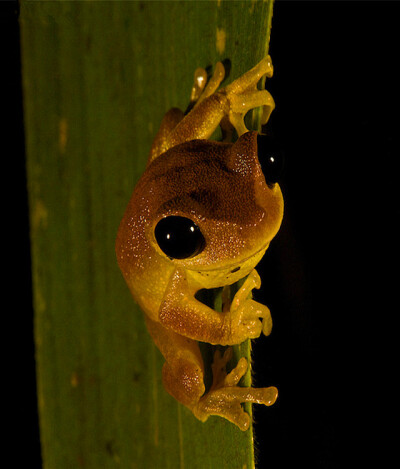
(199, 90)
(242, 304)
(243, 95)
(225, 397)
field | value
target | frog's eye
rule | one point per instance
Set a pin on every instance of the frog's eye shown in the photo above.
(179, 237)
(271, 158)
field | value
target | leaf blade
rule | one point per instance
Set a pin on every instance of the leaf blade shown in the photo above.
(92, 107)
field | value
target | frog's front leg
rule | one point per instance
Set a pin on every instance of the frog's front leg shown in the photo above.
(225, 398)
(181, 312)
(241, 300)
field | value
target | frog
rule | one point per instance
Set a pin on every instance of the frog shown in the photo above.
(202, 216)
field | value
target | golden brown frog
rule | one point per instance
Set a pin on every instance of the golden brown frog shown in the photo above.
(202, 216)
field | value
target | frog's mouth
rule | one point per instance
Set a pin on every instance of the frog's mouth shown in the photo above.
(227, 275)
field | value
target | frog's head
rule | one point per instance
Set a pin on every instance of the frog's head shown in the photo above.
(208, 207)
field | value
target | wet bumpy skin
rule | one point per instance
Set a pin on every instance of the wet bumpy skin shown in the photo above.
(202, 216)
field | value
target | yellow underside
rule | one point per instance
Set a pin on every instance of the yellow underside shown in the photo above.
(224, 276)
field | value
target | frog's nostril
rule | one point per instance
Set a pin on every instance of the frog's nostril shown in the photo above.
(271, 158)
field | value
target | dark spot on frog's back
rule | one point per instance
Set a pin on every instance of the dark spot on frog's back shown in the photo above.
(202, 195)
(210, 200)
(235, 270)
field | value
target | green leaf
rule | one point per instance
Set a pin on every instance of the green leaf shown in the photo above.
(98, 78)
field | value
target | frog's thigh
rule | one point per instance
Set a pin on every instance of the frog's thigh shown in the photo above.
(201, 122)
(183, 371)
(161, 140)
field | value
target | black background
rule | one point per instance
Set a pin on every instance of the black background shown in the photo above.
(331, 275)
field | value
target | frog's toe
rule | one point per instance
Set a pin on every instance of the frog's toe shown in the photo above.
(238, 416)
(215, 403)
(226, 402)
(237, 373)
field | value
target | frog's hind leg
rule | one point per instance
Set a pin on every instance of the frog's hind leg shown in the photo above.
(225, 398)
(183, 370)
(183, 378)
(201, 90)
(184, 381)
(161, 140)
(243, 95)
(199, 94)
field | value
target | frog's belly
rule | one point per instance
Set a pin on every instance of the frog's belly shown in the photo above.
(148, 287)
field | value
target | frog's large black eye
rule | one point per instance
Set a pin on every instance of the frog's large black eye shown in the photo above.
(179, 237)
(270, 157)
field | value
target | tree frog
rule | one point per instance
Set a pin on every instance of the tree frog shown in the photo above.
(202, 216)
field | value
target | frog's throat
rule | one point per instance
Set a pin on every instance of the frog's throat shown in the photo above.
(227, 275)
